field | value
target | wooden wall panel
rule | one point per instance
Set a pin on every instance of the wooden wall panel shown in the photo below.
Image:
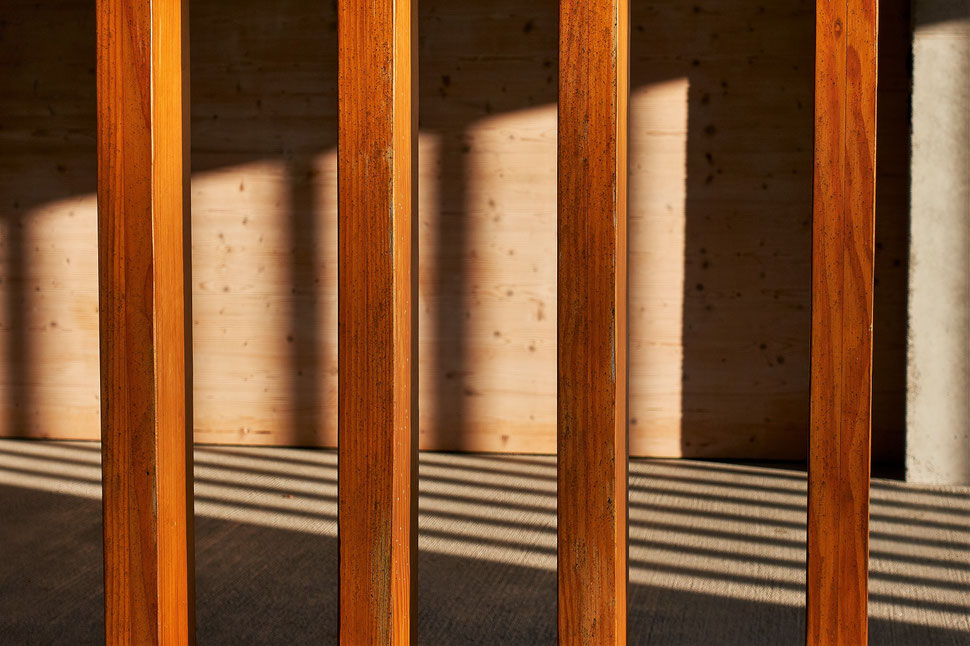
(719, 225)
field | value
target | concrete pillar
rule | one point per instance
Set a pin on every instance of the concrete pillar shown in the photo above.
(938, 393)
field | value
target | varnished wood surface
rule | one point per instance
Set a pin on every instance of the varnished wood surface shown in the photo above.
(145, 365)
(592, 422)
(842, 319)
(376, 323)
(719, 225)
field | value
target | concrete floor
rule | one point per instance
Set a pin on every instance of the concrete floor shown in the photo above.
(716, 551)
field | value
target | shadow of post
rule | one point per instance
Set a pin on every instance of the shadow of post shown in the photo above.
(267, 90)
(890, 295)
(17, 403)
(747, 242)
(747, 249)
(304, 335)
(457, 92)
(47, 153)
(267, 550)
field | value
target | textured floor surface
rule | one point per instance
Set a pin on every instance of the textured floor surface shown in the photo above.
(716, 551)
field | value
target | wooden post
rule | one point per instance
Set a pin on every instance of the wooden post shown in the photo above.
(376, 345)
(842, 284)
(145, 353)
(592, 425)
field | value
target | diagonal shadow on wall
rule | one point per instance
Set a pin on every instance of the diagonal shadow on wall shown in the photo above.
(265, 90)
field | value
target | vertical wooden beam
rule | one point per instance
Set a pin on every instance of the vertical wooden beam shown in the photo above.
(842, 284)
(145, 353)
(592, 426)
(376, 345)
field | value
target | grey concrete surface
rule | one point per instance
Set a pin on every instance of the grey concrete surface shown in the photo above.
(716, 551)
(938, 389)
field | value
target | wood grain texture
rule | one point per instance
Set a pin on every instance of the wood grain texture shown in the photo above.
(592, 426)
(719, 225)
(842, 318)
(376, 327)
(145, 356)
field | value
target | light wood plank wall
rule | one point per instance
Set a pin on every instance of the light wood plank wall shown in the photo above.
(719, 228)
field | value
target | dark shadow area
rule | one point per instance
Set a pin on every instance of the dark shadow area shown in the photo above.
(460, 54)
(47, 94)
(17, 403)
(267, 562)
(942, 12)
(890, 295)
(306, 346)
(747, 239)
(51, 573)
(58, 597)
(746, 319)
(262, 90)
